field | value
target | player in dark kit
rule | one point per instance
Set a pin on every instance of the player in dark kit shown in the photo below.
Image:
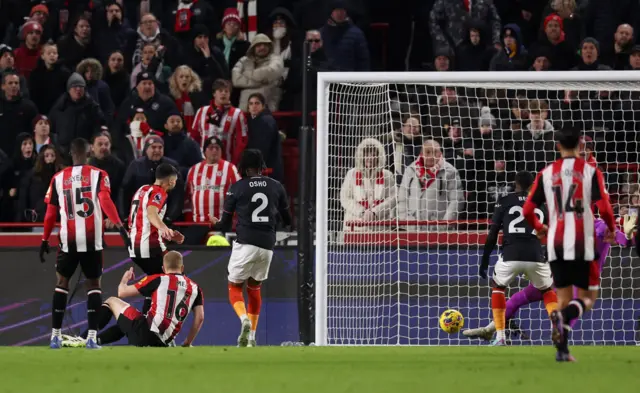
(522, 254)
(570, 187)
(80, 194)
(257, 200)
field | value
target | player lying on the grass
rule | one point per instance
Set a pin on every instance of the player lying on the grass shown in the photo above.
(531, 294)
(257, 200)
(173, 296)
(522, 254)
(80, 194)
(570, 187)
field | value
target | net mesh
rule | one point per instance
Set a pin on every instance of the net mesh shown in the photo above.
(405, 240)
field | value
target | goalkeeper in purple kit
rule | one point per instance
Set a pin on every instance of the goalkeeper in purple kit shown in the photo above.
(530, 294)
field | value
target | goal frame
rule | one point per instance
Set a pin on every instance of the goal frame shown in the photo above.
(437, 78)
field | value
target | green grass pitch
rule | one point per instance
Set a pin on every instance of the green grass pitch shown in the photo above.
(315, 369)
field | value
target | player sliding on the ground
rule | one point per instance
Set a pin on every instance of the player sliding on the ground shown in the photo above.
(257, 200)
(522, 253)
(570, 186)
(80, 193)
(530, 294)
(173, 296)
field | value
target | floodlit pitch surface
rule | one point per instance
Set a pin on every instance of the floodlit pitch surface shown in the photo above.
(314, 369)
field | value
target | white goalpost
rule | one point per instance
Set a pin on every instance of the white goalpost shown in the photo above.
(409, 168)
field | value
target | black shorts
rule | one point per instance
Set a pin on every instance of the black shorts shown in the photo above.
(134, 325)
(90, 262)
(572, 273)
(149, 266)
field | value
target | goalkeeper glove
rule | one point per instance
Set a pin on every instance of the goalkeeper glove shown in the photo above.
(44, 249)
(629, 225)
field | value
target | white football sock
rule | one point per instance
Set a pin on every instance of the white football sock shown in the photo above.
(91, 335)
(500, 335)
(252, 335)
(56, 333)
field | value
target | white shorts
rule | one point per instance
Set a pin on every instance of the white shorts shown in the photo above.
(539, 273)
(248, 261)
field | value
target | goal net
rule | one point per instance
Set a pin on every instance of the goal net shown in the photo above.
(409, 169)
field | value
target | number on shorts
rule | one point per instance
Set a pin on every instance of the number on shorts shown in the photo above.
(513, 225)
(264, 202)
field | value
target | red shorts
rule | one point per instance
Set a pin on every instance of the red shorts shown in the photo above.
(131, 313)
(594, 276)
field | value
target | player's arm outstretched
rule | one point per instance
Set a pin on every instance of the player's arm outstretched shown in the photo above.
(198, 319)
(223, 224)
(492, 239)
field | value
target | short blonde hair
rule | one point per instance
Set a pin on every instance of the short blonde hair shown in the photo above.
(172, 260)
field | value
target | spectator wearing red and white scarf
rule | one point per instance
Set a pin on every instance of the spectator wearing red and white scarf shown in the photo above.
(222, 120)
(368, 191)
(185, 87)
(431, 188)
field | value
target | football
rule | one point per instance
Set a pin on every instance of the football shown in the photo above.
(451, 321)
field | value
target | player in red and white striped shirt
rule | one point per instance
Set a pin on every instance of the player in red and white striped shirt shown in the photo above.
(570, 187)
(174, 297)
(146, 228)
(222, 120)
(80, 194)
(207, 185)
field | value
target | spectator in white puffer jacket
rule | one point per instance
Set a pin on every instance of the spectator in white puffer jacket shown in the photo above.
(260, 71)
(368, 192)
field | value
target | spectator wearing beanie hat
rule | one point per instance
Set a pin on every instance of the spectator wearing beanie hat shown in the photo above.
(561, 54)
(187, 15)
(154, 104)
(231, 41)
(205, 59)
(75, 114)
(7, 63)
(344, 43)
(178, 145)
(141, 172)
(27, 55)
(590, 56)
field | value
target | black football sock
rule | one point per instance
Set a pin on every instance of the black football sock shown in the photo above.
(572, 311)
(110, 335)
(104, 317)
(59, 307)
(94, 300)
(146, 306)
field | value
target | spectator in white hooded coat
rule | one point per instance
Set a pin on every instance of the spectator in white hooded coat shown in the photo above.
(368, 192)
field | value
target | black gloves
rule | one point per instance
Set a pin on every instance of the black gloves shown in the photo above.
(124, 234)
(484, 266)
(44, 249)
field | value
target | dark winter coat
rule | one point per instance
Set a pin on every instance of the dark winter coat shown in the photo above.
(72, 120)
(501, 61)
(264, 136)
(156, 110)
(182, 149)
(448, 18)
(33, 187)
(142, 171)
(16, 117)
(239, 49)
(562, 56)
(46, 86)
(97, 88)
(72, 53)
(118, 36)
(119, 85)
(346, 47)
(209, 69)
(471, 57)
